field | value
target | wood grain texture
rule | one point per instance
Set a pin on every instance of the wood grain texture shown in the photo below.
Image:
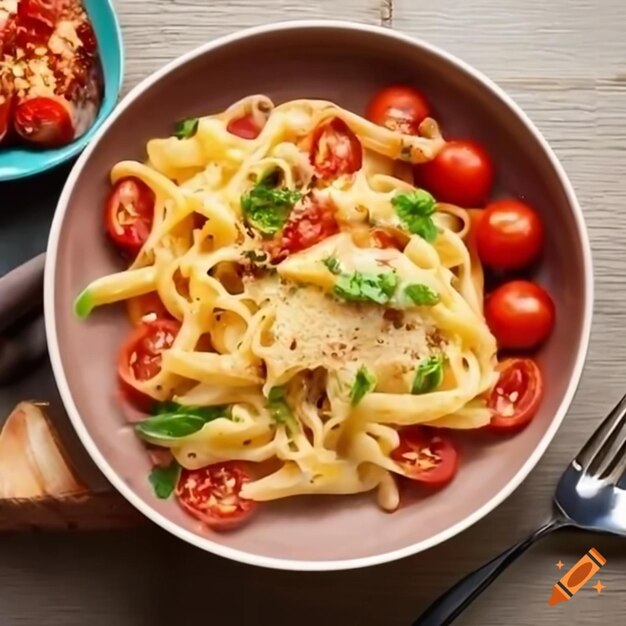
(564, 61)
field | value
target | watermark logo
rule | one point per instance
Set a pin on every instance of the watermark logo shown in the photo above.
(577, 577)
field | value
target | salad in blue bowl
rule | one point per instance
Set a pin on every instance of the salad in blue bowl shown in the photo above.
(61, 68)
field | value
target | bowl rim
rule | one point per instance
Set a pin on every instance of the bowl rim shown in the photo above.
(68, 152)
(283, 563)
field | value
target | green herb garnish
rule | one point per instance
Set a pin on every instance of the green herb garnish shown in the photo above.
(361, 287)
(422, 295)
(429, 375)
(333, 265)
(186, 128)
(164, 479)
(279, 409)
(266, 206)
(173, 421)
(364, 382)
(84, 304)
(414, 210)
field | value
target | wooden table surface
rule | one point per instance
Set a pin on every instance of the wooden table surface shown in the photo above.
(564, 61)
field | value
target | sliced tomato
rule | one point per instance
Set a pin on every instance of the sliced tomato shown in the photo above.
(44, 11)
(310, 222)
(398, 107)
(426, 455)
(129, 213)
(212, 494)
(140, 357)
(384, 238)
(244, 127)
(6, 102)
(44, 122)
(517, 394)
(146, 308)
(335, 149)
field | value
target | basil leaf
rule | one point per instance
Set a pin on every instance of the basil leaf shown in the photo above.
(364, 382)
(360, 287)
(421, 295)
(279, 409)
(332, 264)
(414, 210)
(186, 128)
(174, 421)
(429, 375)
(267, 207)
(164, 479)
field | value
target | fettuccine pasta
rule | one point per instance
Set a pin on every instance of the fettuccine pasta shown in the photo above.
(308, 304)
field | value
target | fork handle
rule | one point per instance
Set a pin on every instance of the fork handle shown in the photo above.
(447, 607)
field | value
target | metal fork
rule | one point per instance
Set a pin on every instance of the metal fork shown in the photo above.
(591, 495)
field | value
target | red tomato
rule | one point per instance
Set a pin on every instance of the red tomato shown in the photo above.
(520, 314)
(516, 396)
(6, 102)
(510, 235)
(45, 11)
(335, 149)
(244, 127)
(213, 494)
(146, 308)
(45, 122)
(129, 213)
(462, 173)
(426, 455)
(382, 238)
(140, 357)
(398, 107)
(309, 223)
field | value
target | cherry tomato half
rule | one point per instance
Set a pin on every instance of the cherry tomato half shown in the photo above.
(510, 235)
(335, 149)
(385, 238)
(6, 102)
(146, 308)
(517, 394)
(426, 455)
(520, 314)
(44, 11)
(45, 122)
(128, 215)
(140, 357)
(462, 173)
(398, 107)
(309, 223)
(212, 494)
(244, 127)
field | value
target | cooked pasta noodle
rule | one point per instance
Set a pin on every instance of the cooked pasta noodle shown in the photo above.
(329, 333)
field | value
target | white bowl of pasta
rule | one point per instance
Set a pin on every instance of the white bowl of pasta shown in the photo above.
(286, 311)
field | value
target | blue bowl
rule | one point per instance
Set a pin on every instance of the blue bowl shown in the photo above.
(20, 162)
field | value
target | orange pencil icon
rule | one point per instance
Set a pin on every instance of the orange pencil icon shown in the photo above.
(577, 576)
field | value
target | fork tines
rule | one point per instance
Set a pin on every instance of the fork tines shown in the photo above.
(604, 454)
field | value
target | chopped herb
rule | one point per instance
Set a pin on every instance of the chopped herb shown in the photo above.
(414, 210)
(421, 295)
(172, 421)
(186, 128)
(429, 375)
(279, 409)
(405, 152)
(364, 382)
(361, 287)
(164, 479)
(84, 304)
(266, 206)
(256, 258)
(332, 264)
